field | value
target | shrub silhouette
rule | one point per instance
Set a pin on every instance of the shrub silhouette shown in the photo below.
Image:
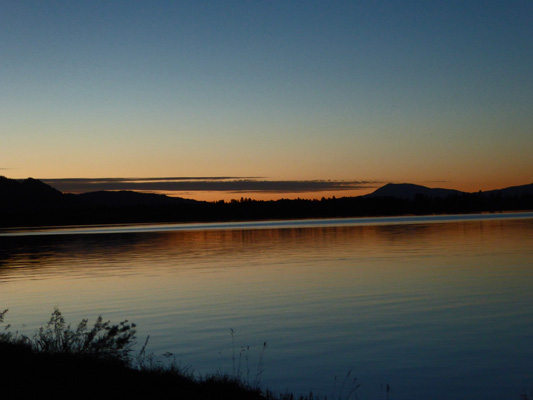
(103, 340)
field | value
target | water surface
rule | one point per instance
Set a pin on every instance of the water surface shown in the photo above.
(436, 307)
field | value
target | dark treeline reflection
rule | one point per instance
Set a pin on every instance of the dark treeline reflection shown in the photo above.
(25, 253)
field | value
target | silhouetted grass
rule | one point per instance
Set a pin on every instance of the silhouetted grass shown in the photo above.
(61, 362)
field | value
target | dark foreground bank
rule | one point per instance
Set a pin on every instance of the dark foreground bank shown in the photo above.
(58, 362)
(29, 374)
(61, 362)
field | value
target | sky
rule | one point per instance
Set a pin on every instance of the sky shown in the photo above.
(266, 99)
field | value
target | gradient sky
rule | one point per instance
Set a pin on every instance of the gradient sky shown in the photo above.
(438, 93)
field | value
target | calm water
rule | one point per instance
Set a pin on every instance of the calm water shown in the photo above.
(436, 307)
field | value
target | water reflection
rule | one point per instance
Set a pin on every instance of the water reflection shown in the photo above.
(23, 255)
(428, 307)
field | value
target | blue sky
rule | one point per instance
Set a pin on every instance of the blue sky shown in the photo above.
(437, 93)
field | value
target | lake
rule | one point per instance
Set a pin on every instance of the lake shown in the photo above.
(436, 307)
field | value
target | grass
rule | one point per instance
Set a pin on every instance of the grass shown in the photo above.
(61, 362)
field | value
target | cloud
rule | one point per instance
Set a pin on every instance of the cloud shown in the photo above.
(221, 184)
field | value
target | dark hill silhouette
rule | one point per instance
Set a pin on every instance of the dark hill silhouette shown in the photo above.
(32, 203)
(15, 192)
(19, 193)
(26, 188)
(409, 191)
(125, 198)
(511, 191)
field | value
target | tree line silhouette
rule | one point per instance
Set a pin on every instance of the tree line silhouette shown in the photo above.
(32, 203)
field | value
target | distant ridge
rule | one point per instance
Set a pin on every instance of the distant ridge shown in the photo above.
(409, 191)
(511, 191)
(14, 193)
(126, 198)
(27, 191)
(30, 202)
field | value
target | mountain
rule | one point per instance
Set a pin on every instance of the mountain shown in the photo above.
(32, 192)
(125, 198)
(25, 192)
(409, 191)
(31, 202)
(511, 191)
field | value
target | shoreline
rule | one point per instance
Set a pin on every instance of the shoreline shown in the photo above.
(258, 224)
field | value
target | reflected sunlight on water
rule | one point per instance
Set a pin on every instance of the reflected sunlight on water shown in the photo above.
(440, 309)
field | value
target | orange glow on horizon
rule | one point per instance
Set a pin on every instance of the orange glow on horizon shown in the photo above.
(212, 196)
